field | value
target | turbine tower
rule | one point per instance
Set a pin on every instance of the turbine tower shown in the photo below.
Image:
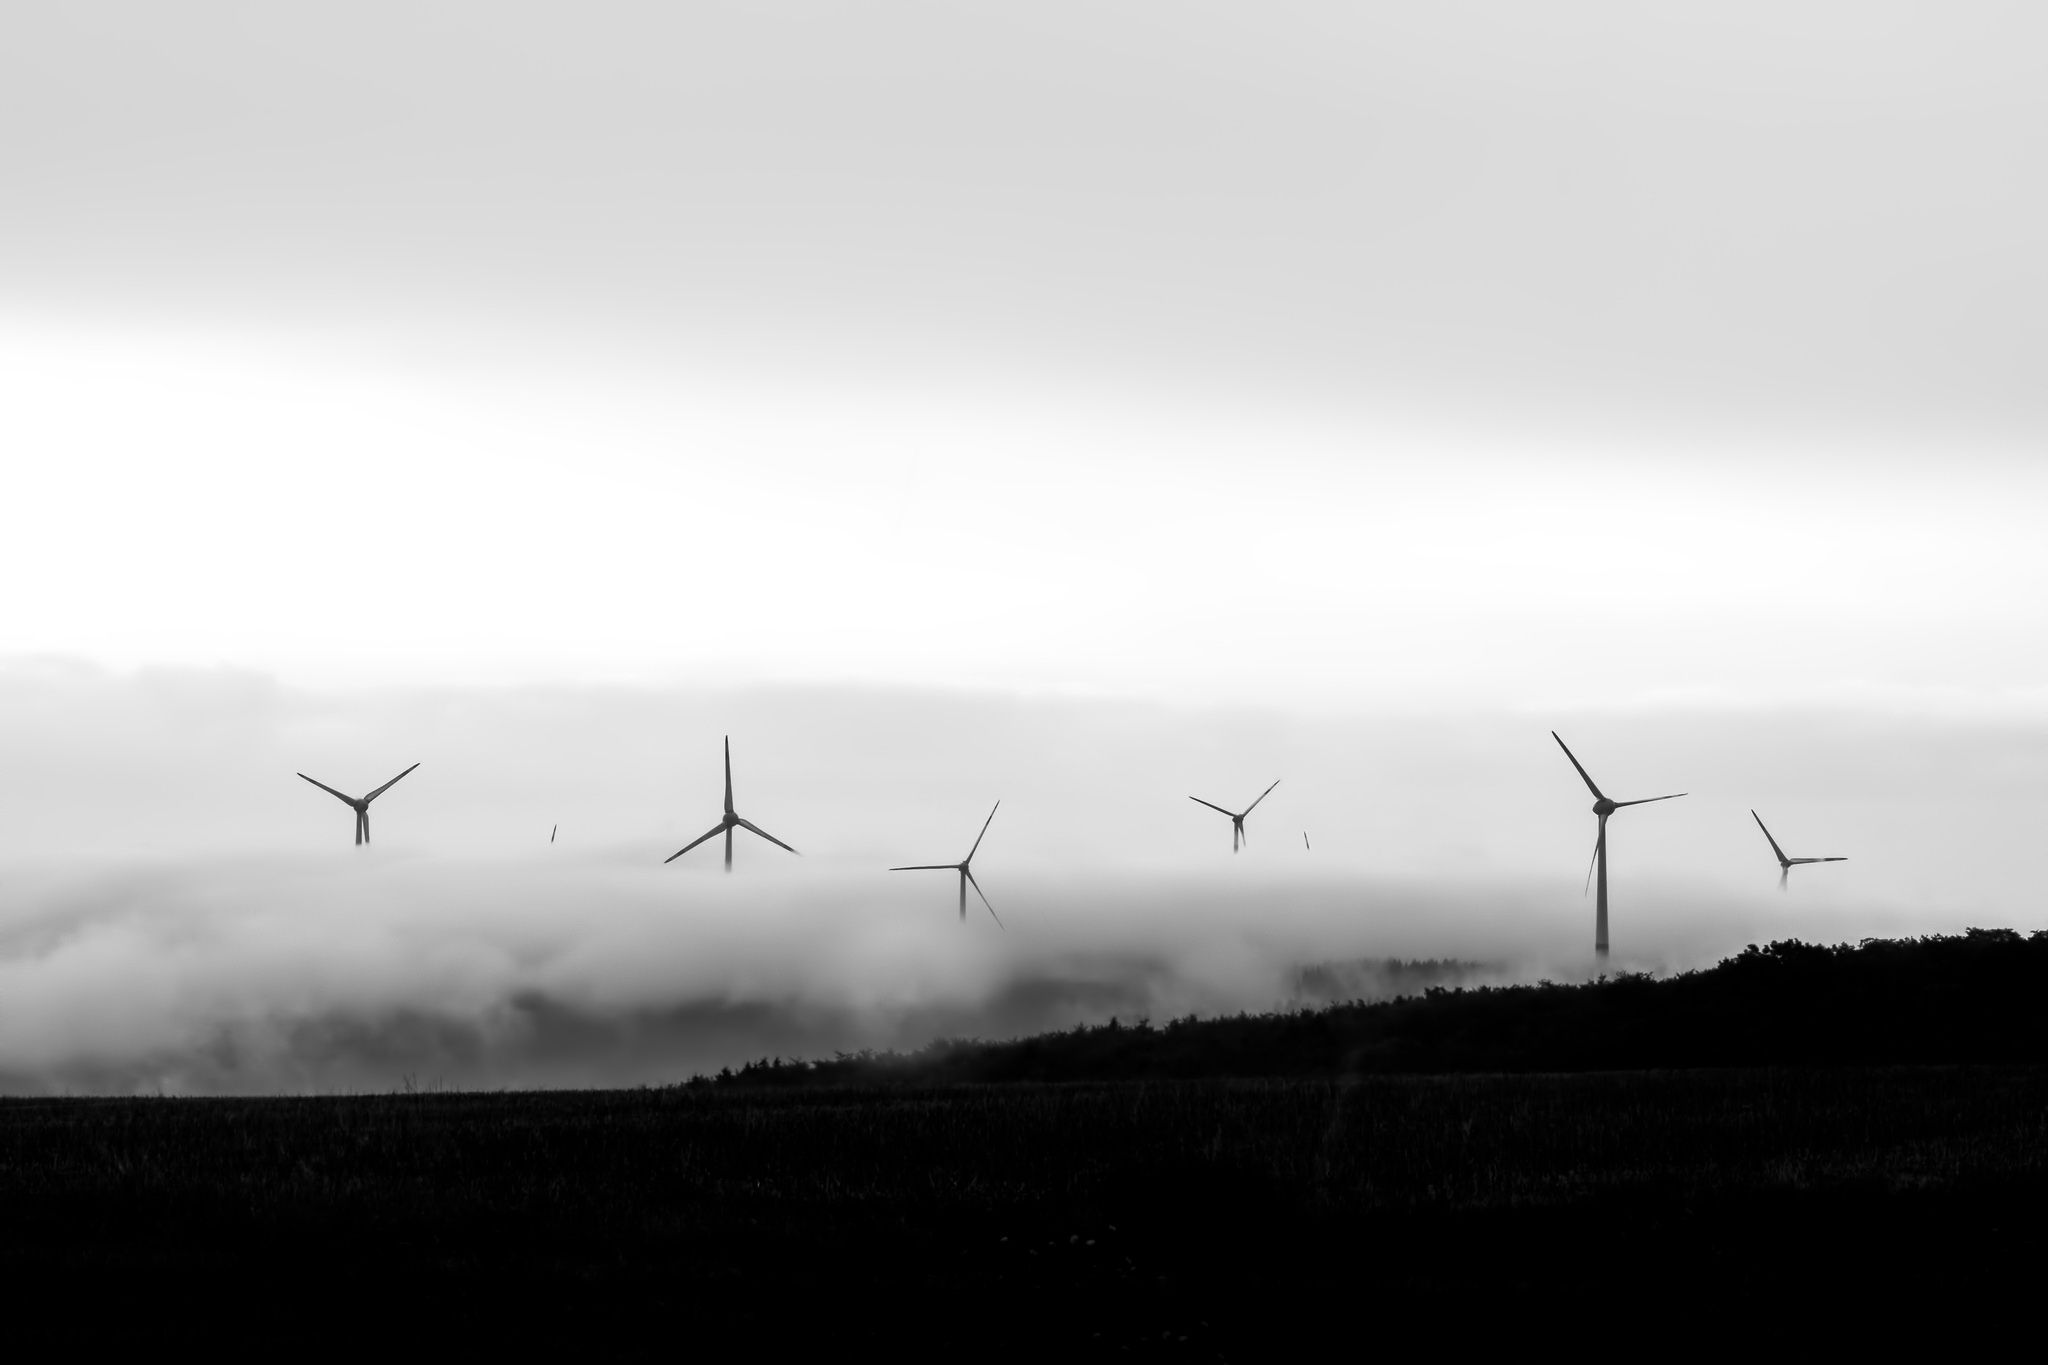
(729, 823)
(1785, 865)
(1237, 835)
(966, 870)
(361, 804)
(1603, 808)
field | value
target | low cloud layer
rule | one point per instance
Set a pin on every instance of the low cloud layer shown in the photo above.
(340, 973)
(179, 911)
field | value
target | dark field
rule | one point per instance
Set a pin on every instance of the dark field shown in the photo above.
(1199, 1219)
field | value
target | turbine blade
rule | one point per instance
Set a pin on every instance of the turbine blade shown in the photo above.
(928, 867)
(1262, 796)
(1586, 776)
(984, 833)
(694, 842)
(1767, 835)
(749, 824)
(1304, 839)
(1796, 861)
(984, 897)
(388, 785)
(728, 848)
(359, 829)
(1598, 840)
(553, 832)
(364, 816)
(1784, 873)
(329, 790)
(728, 774)
(1196, 799)
(1648, 799)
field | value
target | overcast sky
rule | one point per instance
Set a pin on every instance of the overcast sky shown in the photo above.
(1091, 399)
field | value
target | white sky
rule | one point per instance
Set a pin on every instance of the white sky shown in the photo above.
(342, 521)
(1314, 355)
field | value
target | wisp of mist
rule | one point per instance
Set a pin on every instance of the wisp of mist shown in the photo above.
(339, 972)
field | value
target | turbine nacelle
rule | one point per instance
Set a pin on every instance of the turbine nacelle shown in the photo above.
(359, 804)
(1237, 834)
(965, 869)
(1785, 864)
(1603, 807)
(727, 823)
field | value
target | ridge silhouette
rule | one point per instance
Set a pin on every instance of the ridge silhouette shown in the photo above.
(1974, 997)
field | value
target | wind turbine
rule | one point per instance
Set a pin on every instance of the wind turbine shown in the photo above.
(965, 869)
(1785, 865)
(730, 821)
(1603, 808)
(361, 804)
(1237, 835)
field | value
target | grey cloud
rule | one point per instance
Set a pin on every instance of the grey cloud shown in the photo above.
(1806, 214)
(297, 975)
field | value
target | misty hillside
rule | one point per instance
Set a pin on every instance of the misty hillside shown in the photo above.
(1980, 996)
(1340, 981)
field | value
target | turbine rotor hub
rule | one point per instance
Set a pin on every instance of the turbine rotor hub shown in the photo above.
(1604, 807)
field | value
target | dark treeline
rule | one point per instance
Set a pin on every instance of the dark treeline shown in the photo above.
(1388, 978)
(1980, 996)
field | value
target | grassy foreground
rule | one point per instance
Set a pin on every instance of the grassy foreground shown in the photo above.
(1204, 1219)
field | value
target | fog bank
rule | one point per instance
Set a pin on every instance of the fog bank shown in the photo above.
(344, 971)
(179, 910)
